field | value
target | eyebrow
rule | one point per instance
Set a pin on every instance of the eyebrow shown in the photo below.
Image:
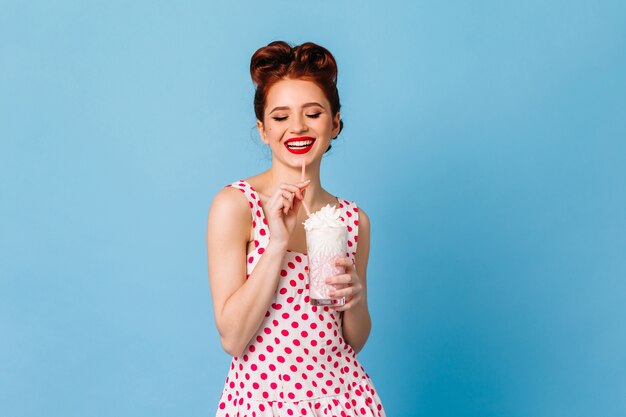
(313, 103)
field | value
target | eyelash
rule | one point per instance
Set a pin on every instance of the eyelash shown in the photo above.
(312, 116)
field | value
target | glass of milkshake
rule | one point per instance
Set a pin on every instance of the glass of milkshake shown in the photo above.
(326, 241)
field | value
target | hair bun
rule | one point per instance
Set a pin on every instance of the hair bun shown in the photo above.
(268, 59)
(317, 59)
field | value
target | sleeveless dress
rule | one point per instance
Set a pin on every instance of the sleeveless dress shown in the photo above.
(297, 364)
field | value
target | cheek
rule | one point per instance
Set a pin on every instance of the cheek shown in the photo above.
(276, 129)
(325, 125)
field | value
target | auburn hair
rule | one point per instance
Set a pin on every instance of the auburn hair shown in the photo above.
(308, 61)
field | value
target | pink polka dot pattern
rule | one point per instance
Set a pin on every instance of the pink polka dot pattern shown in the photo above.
(298, 363)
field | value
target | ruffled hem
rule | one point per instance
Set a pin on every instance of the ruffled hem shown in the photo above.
(361, 401)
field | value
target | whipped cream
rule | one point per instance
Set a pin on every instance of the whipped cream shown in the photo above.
(327, 216)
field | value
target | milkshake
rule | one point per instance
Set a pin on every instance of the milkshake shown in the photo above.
(326, 241)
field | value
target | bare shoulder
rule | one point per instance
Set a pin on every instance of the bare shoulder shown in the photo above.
(230, 210)
(230, 198)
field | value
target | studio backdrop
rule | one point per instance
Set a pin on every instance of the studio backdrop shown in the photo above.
(485, 140)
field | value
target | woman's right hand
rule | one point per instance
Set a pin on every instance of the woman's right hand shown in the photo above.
(281, 210)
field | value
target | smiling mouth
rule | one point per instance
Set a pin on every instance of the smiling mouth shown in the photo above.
(300, 145)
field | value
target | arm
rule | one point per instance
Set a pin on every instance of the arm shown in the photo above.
(240, 304)
(357, 322)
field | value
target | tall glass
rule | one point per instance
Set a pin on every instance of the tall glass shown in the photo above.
(324, 246)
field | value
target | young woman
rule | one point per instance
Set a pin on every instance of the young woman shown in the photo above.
(290, 358)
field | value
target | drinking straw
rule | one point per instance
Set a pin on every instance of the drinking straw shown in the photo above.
(308, 212)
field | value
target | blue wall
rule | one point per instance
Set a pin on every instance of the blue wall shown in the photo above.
(486, 140)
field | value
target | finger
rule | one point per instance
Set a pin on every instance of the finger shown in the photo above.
(283, 204)
(348, 305)
(345, 262)
(289, 196)
(296, 204)
(339, 279)
(344, 292)
(277, 198)
(293, 189)
(275, 202)
(276, 205)
(338, 286)
(303, 184)
(287, 201)
(289, 204)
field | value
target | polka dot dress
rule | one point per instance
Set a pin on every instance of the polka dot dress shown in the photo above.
(298, 363)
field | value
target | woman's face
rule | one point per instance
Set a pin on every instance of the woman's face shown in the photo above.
(298, 121)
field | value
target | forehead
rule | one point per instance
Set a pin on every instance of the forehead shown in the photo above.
(293, 93)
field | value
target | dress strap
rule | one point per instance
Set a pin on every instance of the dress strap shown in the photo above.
(350, 216)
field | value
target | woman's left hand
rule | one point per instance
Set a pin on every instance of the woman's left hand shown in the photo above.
(347, 285)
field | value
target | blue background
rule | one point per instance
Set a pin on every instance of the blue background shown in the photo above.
(485, 139)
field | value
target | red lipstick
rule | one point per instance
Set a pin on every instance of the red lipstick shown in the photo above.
(300, 145)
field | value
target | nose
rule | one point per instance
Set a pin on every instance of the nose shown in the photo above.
(298, 124)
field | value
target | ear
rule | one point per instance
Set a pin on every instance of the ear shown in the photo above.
(336, 125)
(261, 129)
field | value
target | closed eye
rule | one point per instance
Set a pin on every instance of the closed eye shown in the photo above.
(311, 116)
